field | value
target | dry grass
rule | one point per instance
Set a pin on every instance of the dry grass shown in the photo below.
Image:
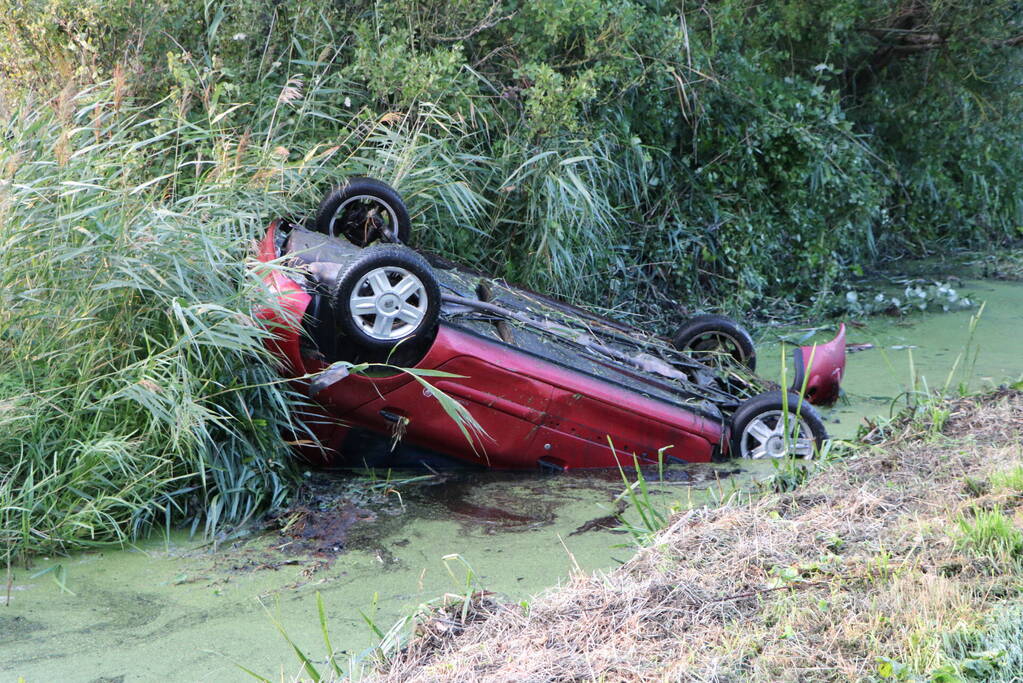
(861, 563)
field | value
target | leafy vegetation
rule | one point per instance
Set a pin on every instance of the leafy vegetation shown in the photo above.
(991, 534)
(991, 652)
(133, 383)
(916, 295)
(628, 154)
(130, 394)
(622, 153)
(1010, 480)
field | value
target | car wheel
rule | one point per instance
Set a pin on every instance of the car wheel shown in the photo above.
(768, 426)
(386, 295)
(364, 210)
(712, 339)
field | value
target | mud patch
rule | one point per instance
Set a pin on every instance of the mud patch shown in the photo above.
(611, 522)
(320, 532)
(17, 628)
(493, 509)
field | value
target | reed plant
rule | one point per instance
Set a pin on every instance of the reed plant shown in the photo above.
(134, 386)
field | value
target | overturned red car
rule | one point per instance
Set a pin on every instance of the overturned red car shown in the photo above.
(548, 385)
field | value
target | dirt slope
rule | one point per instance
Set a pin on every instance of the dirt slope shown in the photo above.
(856, 574)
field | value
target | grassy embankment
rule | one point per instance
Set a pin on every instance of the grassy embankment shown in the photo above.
(902, 561)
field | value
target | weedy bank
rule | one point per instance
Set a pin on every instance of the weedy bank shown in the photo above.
(134, 388)
(903, 561)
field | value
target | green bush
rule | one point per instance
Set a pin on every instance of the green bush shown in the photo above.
(629, 154)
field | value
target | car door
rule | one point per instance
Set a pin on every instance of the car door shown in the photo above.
(507, 405)
(580, 428)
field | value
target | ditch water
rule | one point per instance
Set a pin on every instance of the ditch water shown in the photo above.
(173, 608)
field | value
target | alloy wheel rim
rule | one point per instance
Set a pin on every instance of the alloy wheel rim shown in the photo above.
(388, 303)
(764, 437)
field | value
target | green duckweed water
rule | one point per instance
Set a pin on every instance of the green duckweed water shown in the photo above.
(176, 609)
(173, 609)
(926, 346)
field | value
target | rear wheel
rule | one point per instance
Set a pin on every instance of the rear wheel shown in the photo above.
(386, 296)
(716, 340)
(364, 210)
(773, 425)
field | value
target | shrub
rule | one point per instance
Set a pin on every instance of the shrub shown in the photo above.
(731, 154)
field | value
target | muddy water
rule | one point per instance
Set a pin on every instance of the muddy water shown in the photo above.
(176, 609)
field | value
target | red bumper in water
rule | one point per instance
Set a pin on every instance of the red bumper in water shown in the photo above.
(820, 368)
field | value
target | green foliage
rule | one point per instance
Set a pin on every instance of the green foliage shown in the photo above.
(652, 517)
(891, 670)
(731, 153)
(993, 652)
(131, 395)
(916, 295)
(135, 387)
(1009, 480)
(989, 533)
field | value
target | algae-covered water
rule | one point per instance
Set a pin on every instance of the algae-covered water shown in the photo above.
(173, 609)
(180, 609)
(932, 350)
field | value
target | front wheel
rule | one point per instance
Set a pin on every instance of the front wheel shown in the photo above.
(387, 295)
(716, 340)
(776, 425)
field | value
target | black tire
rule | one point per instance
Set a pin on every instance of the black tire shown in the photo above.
(706, 338)
(767, 409)
(360, 278)
(364, 210)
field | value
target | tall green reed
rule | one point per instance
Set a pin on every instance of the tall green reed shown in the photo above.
(134, 388)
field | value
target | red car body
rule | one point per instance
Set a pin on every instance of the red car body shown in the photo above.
(534, 412)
